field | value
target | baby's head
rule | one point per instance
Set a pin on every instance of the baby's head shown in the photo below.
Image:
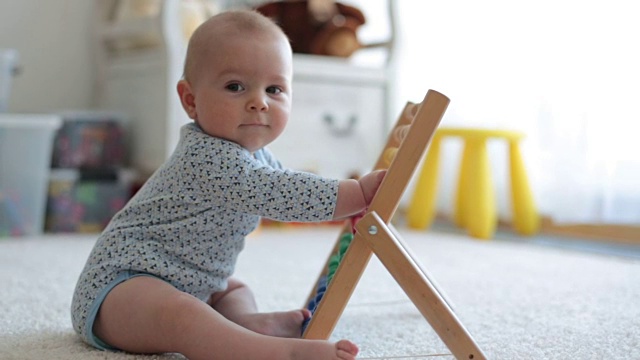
(237, 78)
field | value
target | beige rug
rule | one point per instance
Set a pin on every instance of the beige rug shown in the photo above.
(518, 300)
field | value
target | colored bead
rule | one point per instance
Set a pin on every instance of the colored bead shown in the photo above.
(305, 323)
(345, 241)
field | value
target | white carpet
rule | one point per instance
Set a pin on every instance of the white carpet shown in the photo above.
(519, 301)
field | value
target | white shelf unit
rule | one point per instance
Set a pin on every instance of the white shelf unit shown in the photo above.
(140, 82)
(339, 117)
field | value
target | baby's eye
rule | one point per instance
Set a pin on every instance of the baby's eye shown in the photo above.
(274, 90)
(235, 87)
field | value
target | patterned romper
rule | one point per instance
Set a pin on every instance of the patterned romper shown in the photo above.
(188, 222)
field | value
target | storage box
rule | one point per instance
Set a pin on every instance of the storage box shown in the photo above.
(91, 140)
(85, 202)
(25, 154)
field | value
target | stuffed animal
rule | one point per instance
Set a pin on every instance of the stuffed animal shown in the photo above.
(317, 27)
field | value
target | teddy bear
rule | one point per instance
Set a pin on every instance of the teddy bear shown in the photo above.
(317, 27)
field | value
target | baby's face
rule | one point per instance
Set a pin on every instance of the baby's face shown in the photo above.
(242, 90)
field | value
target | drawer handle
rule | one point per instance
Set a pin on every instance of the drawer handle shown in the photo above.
(337, 130)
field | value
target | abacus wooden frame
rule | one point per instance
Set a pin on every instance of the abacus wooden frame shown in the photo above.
(375, 234)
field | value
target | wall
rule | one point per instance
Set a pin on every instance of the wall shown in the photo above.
(54, 38)
(54, 41)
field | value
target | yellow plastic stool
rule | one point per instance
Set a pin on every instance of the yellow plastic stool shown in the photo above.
(475, 205)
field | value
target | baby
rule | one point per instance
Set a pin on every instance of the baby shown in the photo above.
(159, 277)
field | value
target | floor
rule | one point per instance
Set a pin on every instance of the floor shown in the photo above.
(603, 247)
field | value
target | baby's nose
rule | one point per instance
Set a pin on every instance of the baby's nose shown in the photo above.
(258, 103)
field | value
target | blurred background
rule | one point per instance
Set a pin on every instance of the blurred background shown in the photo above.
(565, 73)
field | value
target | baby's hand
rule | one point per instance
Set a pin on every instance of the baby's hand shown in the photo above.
(355, 196)
(370, 184)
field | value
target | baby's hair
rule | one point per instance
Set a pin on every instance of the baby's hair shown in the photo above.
(224, 24)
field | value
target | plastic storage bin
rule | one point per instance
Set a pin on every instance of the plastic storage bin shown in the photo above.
(83, 202)
(25, 155)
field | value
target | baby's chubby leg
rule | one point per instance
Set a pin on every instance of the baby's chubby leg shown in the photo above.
(147, 315)
(237, 304)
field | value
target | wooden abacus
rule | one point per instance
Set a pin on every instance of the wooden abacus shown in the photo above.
(406, 146)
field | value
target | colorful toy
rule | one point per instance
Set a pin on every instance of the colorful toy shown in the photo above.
(375, 234)
(75, 205)
(11, 222)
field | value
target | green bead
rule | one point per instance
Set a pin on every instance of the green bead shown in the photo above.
(334, 261)
(345, 241)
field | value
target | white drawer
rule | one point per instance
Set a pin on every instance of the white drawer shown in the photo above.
(334, 130)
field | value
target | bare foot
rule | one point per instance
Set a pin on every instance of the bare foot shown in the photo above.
(323, 350)
(346, 350)
(281, 324)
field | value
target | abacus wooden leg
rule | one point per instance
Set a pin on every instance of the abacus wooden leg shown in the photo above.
(336, 246)
(339, 290)
(417, 286)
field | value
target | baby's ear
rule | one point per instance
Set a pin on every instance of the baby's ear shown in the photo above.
(187, 99)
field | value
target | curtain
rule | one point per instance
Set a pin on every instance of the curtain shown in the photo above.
(564, 72)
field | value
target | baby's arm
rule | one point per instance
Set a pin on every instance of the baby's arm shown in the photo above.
(355, 195)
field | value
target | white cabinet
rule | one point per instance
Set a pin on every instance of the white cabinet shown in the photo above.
(338, 120)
